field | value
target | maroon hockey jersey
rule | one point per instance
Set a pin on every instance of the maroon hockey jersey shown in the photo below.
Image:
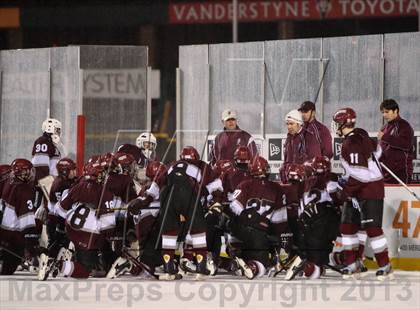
(364, 177)
(267, 197)
(19, 212)
(398, 150)
(45, 156)
(89, 213)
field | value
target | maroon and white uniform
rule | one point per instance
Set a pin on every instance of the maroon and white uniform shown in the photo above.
(122, 186)
(365, 187)
(227, 141)
(232, 179)
(45, 156)
(267, 197)
(299, 148)
(322, 135)
(89, 214)
(59, 185)
(18, 222)
(364, 177)
(398, 150)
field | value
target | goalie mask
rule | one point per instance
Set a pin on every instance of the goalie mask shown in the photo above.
(53, 127)
(146, 141)
(23, 170)
(345, 117)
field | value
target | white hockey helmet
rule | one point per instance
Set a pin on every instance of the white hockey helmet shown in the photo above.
(146, 141)
(294, 116)
(52, 126)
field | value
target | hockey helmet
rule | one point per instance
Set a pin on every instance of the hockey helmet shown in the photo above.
(242, 155)
(5, 171)
(343, 118)
(146, 141)
(64, 166)
(124, 163)
(94, 171)
(23, 170)
(296, 172)
(189, 153)
(258, 167)
(53, 127)
(154, 168)
(321, 164)
(222, 166)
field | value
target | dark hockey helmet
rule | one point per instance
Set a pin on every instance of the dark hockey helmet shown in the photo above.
(5, 172)
(296, 172)
(107, 160)
(94, 171)
(242, 155)
(258, 166)
(23, 170)
(64, 166)
(321, 164)
(124, 163)
(189, 153)
(222, 166)
(342, 118)
(154, 168)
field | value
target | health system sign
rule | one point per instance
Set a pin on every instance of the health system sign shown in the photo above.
(124, 84)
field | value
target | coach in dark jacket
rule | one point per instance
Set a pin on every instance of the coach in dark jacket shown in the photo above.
(397, 142)
(316, 128)
(230, 138)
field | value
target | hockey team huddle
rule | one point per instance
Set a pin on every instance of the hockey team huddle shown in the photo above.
(129, 213)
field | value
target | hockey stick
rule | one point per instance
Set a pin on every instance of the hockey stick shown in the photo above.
(399, 181)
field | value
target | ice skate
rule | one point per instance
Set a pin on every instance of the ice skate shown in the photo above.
(247, 272)
(351, 272)
(119, 267)
(295, 268)
(385, 273)
(170, 271)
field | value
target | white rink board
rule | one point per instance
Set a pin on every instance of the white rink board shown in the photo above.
(21, 291)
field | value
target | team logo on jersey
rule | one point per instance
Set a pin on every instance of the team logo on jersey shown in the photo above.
(274, 149)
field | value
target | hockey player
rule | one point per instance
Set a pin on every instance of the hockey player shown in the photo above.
(45, 152)
(300, 145)
(5, 171)
(259, 208)
(397, 142)
(146, 141)
(230, 138)
(18, 234)
(365, 192)
(144, 211)
(88, 212)
(230, 174)
(57, 238)
(182, 211)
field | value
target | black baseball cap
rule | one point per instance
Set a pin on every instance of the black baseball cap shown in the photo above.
(306, 106)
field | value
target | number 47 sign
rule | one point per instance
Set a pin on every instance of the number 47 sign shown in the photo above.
(401, 219)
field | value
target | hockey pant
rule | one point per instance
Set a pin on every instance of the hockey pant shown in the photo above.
(363, 215)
